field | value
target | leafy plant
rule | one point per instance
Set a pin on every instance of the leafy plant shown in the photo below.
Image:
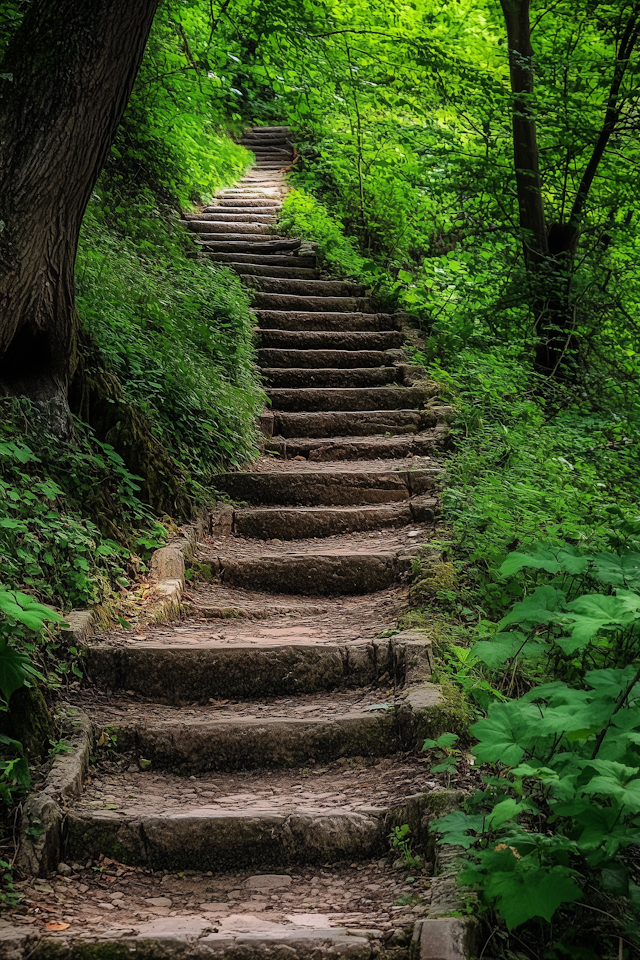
(400, 841)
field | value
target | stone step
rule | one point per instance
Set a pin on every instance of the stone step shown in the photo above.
(304, 320)
(282, 128)
(325, 359)
(274, 259)
(299, 523)
(281, 732)
(249, 246)
(336, 487)
(231, 227)
(265, 139)
(276, 301)
(268, 203)
(255, 233)
(318, 575)
(348, 340)
(344, 398)
(264, 163)
(262, 270)
(354, 424)
(270, 827)
(230, 217)
(359, 448)
(330, 376)
(305, 288)
(256, 657)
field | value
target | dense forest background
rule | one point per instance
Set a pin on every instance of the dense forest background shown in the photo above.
(522, 274)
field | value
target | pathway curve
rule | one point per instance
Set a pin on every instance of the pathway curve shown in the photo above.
(275, 729)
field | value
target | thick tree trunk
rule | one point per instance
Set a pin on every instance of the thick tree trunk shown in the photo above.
(71, 67)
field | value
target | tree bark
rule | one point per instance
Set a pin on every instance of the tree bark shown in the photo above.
(526, 155)
(71, 67)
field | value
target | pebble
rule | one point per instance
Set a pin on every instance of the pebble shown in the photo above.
(159, 902)
(65, 870)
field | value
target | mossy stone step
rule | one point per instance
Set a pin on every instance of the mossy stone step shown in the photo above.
(358, 448)
(331, 377)
(306, 288)
(298, 523)
(318, 399)
(325, 320)
(314, 359)
(329, 487)
(351, 340)
(351, 424)
(284, 301)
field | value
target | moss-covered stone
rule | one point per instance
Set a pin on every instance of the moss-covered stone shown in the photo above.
(449, 715)
(29, 721)
(201, 571)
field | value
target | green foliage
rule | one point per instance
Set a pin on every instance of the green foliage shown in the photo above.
(400, 841)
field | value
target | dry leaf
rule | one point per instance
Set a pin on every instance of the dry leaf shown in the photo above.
(57, 926)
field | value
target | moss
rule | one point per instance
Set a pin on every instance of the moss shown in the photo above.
(29, 721)
(450, 715)
(433, 578)
(202, 571)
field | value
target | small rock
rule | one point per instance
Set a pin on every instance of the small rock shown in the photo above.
(159, 902)
(132, 768)
(64, 870)
(144, 764)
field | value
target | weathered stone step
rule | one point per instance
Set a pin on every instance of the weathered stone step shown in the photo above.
(274, 259)
(359, 448)
(348, 340)
(230, 217)
(249, 246)
(270, 826)
(187, 935)
(344, 398)
(282, 732)
(275, 301)
(299, 523)
(282, 128)
(271, 139)
(354, 424)
(330, 376)
(272, 203)
(295, 657)
(338, 487)
(326, 359)
(206, 227)
(305, 288)
(256, 233)
(262, 270)
(307, 320)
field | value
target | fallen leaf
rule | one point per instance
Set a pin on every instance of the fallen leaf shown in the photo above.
(57, 926)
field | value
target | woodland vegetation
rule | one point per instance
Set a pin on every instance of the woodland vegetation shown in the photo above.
(475, 162)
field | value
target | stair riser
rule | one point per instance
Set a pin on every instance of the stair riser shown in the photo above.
(186, 674)
(212, 843)
(256, 269)
(208, 227)
(334, 399)
(304, 288)
(269, 203)
(300, 377)
(255, 234)
(230, 217)
(244, 745)
(349, 424)
(341, 322)
(319, 359)
(276, 301)
(292, 525)
(377, 448)
(274, 259)
(335, 488)
(330, 340)
(252, 247)
(318, 576)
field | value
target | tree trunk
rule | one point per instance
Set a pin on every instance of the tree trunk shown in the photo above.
(71, 67)
(526, 155)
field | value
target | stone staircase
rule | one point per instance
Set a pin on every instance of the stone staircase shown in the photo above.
(271, 734)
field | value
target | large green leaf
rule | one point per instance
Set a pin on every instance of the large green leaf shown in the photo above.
(509, 730)
(542, 557)
(541, 607)
(621, 571)
(14, 669)
(535, 892)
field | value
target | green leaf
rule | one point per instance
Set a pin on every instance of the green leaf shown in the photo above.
(542, 557)
(540, 607)
(534, 892)
(509, 730)
(13, 669)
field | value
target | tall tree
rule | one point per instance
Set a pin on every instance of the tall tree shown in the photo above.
(66, 78)
(550, 247)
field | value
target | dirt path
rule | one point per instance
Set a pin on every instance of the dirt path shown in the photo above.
(258, 754)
